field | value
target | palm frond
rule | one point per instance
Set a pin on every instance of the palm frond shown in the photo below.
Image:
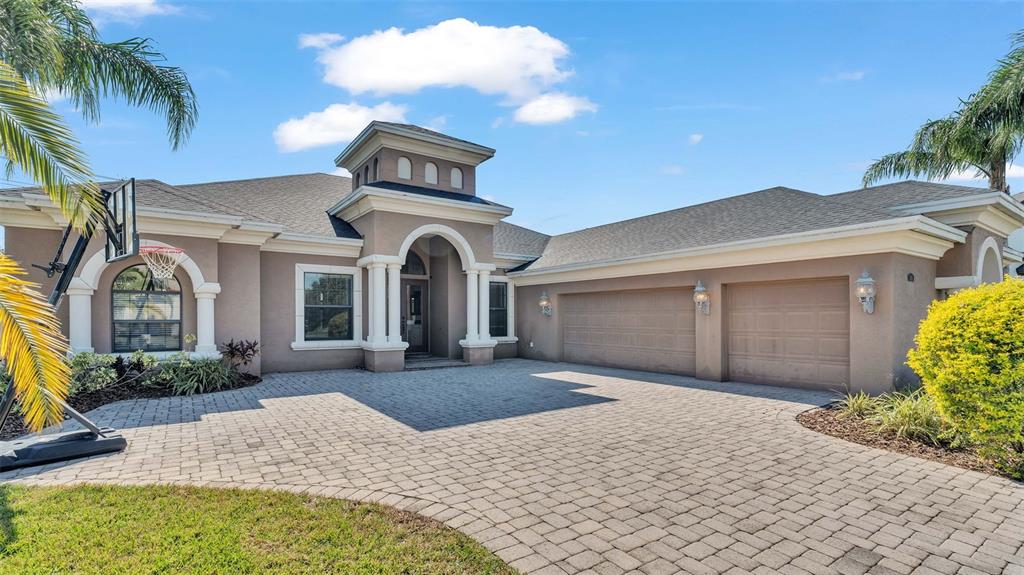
(37, 141)
(913, 163)
(1004, 90)
(32, 346)
(130, 70)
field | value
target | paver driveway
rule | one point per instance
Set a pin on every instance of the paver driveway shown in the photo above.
(565, 468)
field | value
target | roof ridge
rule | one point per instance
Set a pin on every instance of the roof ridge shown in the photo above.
(692, 206)
(262, 178)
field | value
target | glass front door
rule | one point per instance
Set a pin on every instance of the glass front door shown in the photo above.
(414, 320)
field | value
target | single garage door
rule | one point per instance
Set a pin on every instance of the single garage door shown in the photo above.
(651, 330)
(792, 333)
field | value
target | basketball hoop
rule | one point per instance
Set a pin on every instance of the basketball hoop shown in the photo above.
(161, 260)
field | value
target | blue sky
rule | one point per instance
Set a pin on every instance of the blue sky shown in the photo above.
(599, 112)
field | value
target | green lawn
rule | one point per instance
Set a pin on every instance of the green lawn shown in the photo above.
(178, 530)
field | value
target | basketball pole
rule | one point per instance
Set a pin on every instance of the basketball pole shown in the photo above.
(67, 273)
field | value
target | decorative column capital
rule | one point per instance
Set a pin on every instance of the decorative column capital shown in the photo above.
(370, 260)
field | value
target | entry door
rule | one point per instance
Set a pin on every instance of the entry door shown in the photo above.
(414, 315)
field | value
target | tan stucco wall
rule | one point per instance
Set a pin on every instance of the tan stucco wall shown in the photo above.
(384, 232)
(962, 259)
(32, 246)
(277, 319)
(878, 342)
(388, 159)
(238, 306)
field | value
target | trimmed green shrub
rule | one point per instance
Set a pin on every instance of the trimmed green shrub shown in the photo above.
(91, 371)
(187, 376)
(858, 405)
(970, 357)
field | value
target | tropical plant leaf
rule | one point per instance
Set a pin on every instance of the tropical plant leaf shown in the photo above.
(37, 141)
(32, 346)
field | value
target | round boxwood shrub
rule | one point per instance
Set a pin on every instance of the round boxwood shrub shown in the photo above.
(970, 357)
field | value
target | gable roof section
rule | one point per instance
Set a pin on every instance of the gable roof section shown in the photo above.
(513, 240)
(299, 202)
(907, 193)
(766, 213)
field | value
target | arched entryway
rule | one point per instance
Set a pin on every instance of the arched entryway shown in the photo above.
(440, 308)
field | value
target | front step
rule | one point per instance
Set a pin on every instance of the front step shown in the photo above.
(421, 361)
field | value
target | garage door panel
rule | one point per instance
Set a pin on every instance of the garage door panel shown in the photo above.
(651, 329)
(790, 333)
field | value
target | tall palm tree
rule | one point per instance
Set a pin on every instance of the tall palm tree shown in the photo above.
(984, 134)
(52, 47)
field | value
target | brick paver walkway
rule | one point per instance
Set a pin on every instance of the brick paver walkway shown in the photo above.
(564, 468)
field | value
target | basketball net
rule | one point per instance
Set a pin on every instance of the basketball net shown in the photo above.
(161, 260)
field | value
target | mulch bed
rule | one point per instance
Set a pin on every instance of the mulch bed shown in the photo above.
(827, 420)
(15, 427)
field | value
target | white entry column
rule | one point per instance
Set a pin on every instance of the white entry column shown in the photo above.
(206, 295)
(394, 303)
(378, 299)
(472, 317)
(80, 318)
(485, 305)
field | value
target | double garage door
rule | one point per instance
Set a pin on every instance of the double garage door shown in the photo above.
(793, 333)
(652, 330)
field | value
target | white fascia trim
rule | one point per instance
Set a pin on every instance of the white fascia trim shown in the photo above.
(955, 282)
(378, 259)
(1011, 255)
(517, 257)
(1000, 199)
(313, 245)
(921, 224)
(300, 343)
(366, 199)
(375, 128)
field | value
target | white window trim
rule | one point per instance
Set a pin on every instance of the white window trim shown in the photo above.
(462, 178)
(426, 173)
(510, 296)
(300, 342)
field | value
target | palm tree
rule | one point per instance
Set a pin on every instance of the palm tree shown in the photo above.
(984, 134)
(52, 47)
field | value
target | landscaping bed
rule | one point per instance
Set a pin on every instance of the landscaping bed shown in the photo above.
(113, 530)
(830, 421)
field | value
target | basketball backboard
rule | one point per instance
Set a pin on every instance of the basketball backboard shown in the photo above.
(122, 233)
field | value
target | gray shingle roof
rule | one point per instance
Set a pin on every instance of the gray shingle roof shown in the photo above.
(517, 240)
(908, 192)
(771, 212)
(299, 202)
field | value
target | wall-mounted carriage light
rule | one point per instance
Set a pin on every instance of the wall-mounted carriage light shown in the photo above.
(866, 290)
(545, 304)
(702, 298)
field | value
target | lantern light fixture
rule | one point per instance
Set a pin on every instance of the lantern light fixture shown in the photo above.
(545, 304)
(866, 290)
(701, 298)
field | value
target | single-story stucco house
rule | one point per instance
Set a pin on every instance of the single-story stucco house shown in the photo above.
(405, 259)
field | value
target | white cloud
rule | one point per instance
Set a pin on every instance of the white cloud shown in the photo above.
(489, 198)
(320, 41)
(436, 123)
(517, 61)
(847, 76)
(696, 139)
(336, 124)
(342, 172)
(673, 170)
(553, 108)
(128, 10)
(1012, 171)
